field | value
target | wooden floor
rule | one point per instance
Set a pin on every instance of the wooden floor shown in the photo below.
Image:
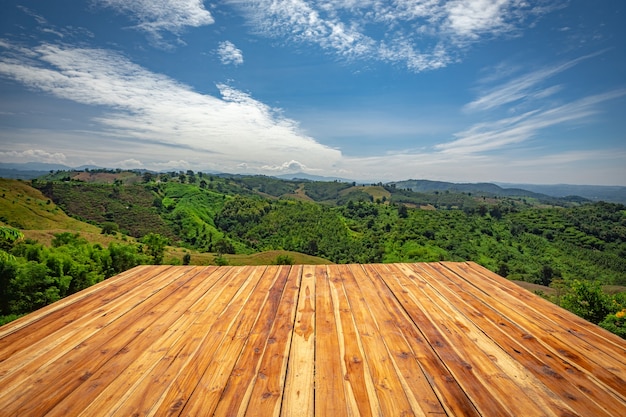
(339, 340)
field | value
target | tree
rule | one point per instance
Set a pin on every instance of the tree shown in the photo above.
(122, 257)
(8, 272)
(546, 275)
(503, 269)
(109, 228)
(156, 246)
(403, 212)
(223, 246)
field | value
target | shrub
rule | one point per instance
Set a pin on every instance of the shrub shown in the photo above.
(587, 300)
(616, 323)
(284, 260)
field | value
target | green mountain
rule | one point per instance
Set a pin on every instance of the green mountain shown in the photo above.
(519, 234)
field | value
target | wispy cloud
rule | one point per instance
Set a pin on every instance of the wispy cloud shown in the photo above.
(65, 33)
(565, 167)
(489, 136)
(373, 29)
(157, 16)
(229, 53)
(148, 110)
(527, 86)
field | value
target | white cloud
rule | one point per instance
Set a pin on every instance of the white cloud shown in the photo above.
(471, 18)
(129, 164)
(526, 86)
(570, 167)
(229, 53)
(376, 29)
(153, 113)
(489, 136)
(290, 166)
(156, 16)
(33, 155)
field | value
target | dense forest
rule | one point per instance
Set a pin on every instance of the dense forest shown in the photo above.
(570, 245)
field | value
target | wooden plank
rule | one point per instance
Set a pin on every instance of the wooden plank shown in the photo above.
(449, 393)
(141, 386)
(606, 369)
(31, 321)
(358, 383)
(28, 330)
(444, 338)
(239, 386)
(386, 382)
(51, 383)
(490, 362)
(71, 328)
(380, 300)
(260, 307)
(229, 307)
(475, 387)
(614, 347)
(267, 393)
(140, 355)
(47, 350)
(299, 398)
(330, 399)
(561, 378)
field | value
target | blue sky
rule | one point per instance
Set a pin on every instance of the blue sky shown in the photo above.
(461, 90)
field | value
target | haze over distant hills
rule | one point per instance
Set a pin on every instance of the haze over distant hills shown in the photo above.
(614, 194)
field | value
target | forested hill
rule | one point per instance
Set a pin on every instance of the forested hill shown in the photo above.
(523, 237)
(548, 194)
(613, 194)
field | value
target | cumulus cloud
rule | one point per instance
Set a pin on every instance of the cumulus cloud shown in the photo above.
(148, 110)
(157, 16)
(289, 166)
(376, 29)
(470, 18)
(129, 164)
(229, 53)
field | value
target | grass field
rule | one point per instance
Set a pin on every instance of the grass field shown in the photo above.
(261, 258)
(24, 207)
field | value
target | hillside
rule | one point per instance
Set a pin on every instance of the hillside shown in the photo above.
(487, 190)
(25, 207)
(524, 237)
(614, 194)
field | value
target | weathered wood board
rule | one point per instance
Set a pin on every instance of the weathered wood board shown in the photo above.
(334, 340)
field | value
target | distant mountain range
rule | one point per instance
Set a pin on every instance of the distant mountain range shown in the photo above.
(30, 170)
(614, 194)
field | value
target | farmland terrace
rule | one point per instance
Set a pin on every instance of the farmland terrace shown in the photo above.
(331, 340)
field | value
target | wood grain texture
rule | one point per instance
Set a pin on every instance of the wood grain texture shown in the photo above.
(333, 340)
